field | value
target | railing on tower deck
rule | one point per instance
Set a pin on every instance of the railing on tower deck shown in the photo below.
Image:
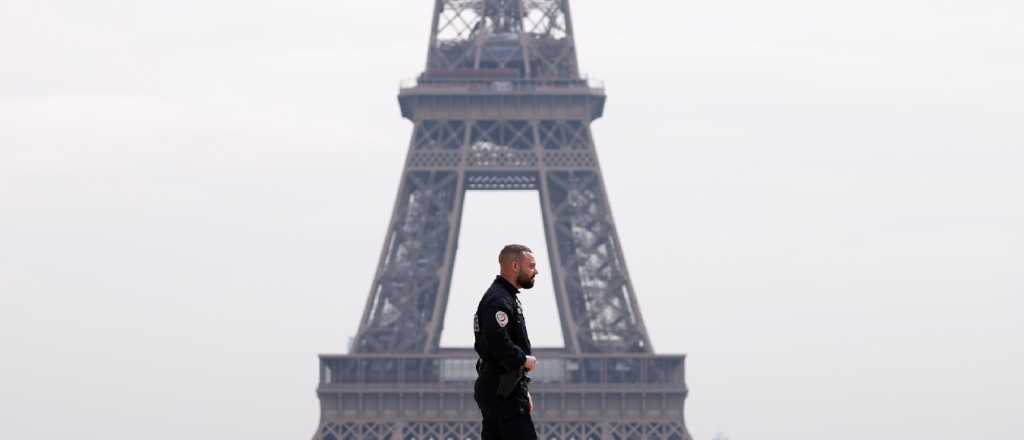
(502, 85)
(618, 370)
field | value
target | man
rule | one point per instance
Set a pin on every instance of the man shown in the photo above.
(504, 348)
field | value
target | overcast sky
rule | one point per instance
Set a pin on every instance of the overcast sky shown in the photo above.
(820, 203)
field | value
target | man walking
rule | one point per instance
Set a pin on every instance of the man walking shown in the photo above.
(503, 345)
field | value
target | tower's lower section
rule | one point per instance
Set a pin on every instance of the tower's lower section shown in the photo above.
(551, 430)
(430, 397)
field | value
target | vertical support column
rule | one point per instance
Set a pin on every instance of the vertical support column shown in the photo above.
(385, 249)
(558, 275)
(438, 7)
(409, 284)
(614, 232)
(600, 297)
(444, 285)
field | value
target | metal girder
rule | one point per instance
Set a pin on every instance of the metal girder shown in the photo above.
(450, 430)
(440, 430)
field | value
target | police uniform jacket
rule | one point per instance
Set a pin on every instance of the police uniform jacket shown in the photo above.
(501, 341)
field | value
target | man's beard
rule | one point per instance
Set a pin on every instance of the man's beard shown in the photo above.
(524, 282)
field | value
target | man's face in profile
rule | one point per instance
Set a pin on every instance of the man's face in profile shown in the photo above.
(527, 270)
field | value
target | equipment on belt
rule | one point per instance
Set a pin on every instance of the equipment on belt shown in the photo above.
(507, 381)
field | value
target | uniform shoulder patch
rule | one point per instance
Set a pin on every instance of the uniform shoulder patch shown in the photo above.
(502, 318)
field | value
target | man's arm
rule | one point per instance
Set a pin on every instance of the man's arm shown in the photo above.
(494, 324)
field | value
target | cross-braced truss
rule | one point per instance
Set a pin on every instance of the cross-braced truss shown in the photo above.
(566, 430)
(529, 39)
(441, 431)
(355, 431)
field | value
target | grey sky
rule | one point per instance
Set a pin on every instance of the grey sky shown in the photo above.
(820, 202)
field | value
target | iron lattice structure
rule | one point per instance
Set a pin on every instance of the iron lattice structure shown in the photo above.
(501, 106)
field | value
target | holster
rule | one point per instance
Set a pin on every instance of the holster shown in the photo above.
(507, 382)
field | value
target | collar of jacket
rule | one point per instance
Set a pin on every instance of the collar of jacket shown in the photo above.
(507, 285)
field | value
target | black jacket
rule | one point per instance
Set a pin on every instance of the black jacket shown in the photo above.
(500, 328)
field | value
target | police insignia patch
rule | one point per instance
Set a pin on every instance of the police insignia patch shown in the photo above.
(502, 318)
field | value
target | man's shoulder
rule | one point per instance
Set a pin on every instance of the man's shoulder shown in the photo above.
(496, 296)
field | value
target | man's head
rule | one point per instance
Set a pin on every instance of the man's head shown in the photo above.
(518, 265)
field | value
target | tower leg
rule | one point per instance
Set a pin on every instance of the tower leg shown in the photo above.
(411, 274)
(596, 289)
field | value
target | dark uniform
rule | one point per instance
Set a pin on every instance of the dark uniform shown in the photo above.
(502, 344)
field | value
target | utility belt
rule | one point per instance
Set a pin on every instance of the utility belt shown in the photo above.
(485, 368)
(507, 380)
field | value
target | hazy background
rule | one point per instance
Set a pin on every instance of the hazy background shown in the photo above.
(820, 202)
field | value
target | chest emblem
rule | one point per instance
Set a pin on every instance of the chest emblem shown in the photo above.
(502, 318)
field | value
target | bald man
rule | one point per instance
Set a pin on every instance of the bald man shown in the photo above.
(504, 349)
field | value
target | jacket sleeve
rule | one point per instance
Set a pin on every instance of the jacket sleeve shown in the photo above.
(494, 325)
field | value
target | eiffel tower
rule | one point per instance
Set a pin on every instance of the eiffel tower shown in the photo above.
(501, 106)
